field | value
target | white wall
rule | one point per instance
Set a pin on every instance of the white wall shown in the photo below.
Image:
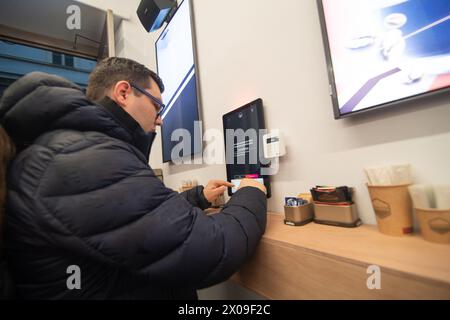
(273, 50)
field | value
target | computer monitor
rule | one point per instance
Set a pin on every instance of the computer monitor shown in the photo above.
(176, 65)
(383, 53)
(243, 132)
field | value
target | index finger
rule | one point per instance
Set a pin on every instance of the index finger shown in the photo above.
(222, 183)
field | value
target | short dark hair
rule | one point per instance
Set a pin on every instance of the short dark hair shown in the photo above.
(112, 70)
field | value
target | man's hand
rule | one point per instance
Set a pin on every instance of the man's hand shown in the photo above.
(252, 183)
(215, 188)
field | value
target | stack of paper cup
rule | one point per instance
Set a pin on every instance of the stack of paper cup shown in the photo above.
(393, 209)
(388, 189)
(432, 206)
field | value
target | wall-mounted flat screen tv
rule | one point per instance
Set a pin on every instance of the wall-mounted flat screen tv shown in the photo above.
(175, 58)
(385, 52)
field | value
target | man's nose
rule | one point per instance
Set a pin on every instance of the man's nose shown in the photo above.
(159, 121)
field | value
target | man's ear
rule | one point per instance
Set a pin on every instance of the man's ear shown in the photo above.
(121, 92)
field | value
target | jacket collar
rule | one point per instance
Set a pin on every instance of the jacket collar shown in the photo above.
(141, 140)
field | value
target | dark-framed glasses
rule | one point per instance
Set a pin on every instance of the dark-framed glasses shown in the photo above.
(161, 106)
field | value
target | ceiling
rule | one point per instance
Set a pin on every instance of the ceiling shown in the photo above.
(47, 20)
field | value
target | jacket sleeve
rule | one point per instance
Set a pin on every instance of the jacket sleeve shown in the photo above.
(114, 210)
(196, 197)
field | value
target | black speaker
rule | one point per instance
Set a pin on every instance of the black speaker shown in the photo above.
(153, 13)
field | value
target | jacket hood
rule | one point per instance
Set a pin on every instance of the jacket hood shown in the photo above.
(38, 103)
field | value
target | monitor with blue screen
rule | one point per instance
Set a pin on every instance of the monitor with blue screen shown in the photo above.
(175, 55)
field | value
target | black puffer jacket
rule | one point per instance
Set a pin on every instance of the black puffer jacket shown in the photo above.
(81, 193)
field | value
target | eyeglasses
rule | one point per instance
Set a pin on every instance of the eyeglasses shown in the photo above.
(159, 103)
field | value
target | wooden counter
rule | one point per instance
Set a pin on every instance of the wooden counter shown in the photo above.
(325, 262)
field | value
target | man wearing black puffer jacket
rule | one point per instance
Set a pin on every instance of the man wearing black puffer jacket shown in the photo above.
(81, 195)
